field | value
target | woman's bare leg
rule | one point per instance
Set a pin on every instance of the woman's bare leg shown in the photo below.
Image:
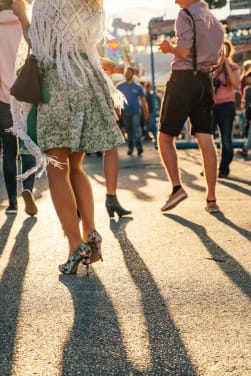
(111, 168)
(83, 192)
(63, 196)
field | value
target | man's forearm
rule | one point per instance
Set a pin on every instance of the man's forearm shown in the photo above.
(180, 52)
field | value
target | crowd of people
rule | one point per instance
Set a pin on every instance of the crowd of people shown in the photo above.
(86, 113)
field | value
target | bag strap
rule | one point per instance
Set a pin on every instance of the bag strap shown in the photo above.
(194, 41)
(28, 51)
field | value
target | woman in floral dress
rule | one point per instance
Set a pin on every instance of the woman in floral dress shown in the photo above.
(77, 113)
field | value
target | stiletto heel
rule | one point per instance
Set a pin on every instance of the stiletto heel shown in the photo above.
(113, 206)
(110, 211)
(71, 265)
(94, 241)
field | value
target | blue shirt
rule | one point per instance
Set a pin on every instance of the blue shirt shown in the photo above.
(132, 91)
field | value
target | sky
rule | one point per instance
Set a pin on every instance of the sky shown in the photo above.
(141, 11)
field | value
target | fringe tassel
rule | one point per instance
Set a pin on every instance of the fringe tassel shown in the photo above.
(20, 111)
(84, 31)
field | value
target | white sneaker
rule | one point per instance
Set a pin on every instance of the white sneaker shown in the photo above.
(174, 199)
(12, 209)
(29, 202)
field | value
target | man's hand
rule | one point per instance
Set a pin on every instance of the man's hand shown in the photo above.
(165, 47)
(108, 65)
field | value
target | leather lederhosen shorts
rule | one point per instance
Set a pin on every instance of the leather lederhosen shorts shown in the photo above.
(187, 95)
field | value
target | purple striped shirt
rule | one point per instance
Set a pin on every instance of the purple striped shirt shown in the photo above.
(209, 37)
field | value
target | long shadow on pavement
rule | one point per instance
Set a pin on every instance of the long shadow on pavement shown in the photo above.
(237, 187)
(245, 233)
(94, 346)
(168, 353)
(228, 264)
(230, 178)
(5, 231)
(11, 287)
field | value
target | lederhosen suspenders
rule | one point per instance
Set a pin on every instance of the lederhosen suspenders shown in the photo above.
(194, 41)
(195, 70)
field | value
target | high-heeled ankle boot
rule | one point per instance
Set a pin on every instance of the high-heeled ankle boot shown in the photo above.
(113, 206)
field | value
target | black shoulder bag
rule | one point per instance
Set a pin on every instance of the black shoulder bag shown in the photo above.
(26, 87)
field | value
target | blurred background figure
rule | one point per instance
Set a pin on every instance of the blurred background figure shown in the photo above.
(247, 107)
(153, 103)
(226, 79)
(10, 36)
(246, 70)
(111, 165)
(131, 113)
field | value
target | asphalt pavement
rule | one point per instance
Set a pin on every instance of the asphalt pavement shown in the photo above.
(172, 296)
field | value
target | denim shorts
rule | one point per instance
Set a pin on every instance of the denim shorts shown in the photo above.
(187, 95)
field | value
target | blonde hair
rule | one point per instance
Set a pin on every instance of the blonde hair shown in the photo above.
(5, 4)
(230, 53)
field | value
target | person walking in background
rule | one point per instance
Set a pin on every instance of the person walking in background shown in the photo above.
(246, 69)
(111, 167)
(243, 80)
(78, 116)
(226, 78)
(10, 36)
(198, 46)
(134, 94)
(247, 105)
(111, 170)
(153, 102)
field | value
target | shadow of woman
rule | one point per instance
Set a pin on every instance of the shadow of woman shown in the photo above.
(168, 353)
(227, 263)
(11, 287)
(5, 231)
(94, 346)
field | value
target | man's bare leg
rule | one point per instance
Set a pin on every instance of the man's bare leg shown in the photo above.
(209, 157)
(169, 157)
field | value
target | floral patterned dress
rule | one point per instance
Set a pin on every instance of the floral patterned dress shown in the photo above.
(78, 118)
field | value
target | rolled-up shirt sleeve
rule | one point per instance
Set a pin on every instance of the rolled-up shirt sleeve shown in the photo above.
(184, 31)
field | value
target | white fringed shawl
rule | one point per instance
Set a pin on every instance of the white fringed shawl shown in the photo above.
(59, 31)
